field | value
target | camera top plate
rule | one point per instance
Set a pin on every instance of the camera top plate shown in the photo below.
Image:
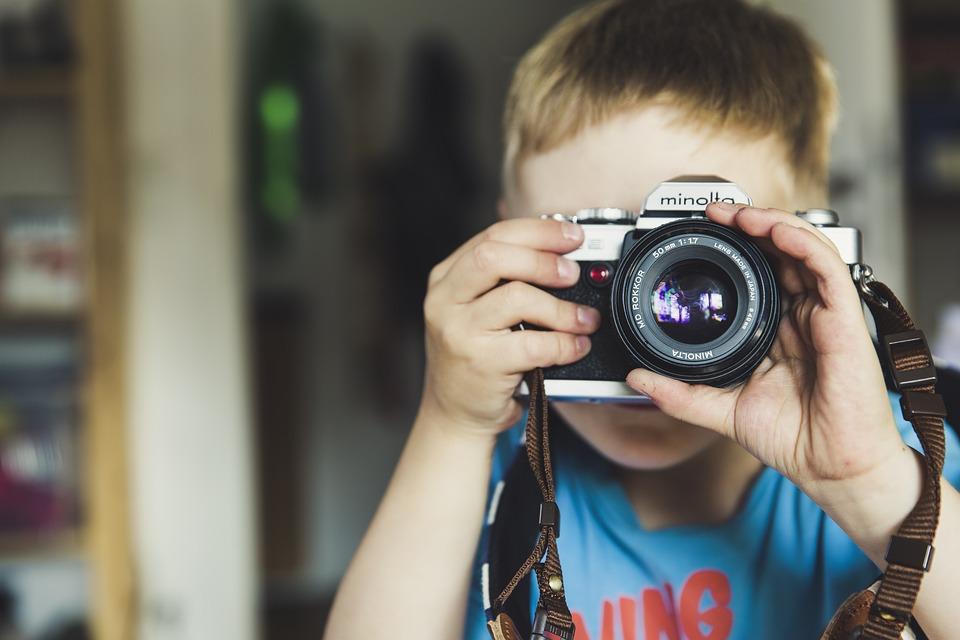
(690, 195)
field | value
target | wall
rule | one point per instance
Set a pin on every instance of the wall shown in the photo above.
(859, 38)
(351, 447)
(190, 457)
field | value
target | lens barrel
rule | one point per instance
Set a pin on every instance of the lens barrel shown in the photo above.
(696, 301)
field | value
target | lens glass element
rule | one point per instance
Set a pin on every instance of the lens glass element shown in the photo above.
(694, 302)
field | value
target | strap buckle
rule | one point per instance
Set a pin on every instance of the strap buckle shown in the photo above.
(896, 344)
(910, 552)
(543, 629)
(914, 404)
(550, 517)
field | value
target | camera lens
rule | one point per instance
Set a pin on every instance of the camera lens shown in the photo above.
(696, 301)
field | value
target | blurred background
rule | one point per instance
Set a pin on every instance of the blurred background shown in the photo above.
(216, 221)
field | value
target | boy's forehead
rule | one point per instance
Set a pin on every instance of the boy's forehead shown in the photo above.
(616, 163)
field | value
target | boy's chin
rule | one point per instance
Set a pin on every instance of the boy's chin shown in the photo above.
(637, 437)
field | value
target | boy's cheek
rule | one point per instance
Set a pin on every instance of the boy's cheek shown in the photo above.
(639, 439)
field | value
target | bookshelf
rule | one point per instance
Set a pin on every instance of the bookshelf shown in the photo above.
(85, 95)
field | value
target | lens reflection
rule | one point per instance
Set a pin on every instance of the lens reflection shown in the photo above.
(694, 302)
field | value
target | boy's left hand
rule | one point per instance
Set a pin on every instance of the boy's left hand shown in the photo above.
(816, 409)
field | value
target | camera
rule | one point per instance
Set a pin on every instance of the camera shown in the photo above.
(677, 293)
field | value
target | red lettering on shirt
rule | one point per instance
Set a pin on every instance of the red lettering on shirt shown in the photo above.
(658, 619)
(606, 623)
(719, 617)
(662, 619)
(628, 618)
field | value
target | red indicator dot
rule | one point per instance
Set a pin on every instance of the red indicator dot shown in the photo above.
(599, 274)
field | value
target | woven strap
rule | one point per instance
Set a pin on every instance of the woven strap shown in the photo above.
(553, 615)
(910, 367)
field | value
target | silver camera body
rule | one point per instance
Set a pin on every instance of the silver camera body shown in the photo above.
(616, 264)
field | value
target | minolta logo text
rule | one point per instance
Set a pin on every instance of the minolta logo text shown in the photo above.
(687, 355)
(683, 195)
(695, 201)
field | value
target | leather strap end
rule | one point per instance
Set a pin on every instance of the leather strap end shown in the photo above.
(850, 619)
(502, 628)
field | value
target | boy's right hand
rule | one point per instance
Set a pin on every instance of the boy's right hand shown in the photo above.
(474, 359)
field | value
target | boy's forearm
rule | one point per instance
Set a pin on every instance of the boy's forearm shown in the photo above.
(410, 576)
(872, 513)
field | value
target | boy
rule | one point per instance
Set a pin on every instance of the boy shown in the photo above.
(722, 513)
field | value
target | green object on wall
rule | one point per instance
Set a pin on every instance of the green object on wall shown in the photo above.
(280, 126)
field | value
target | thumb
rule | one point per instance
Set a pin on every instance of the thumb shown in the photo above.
(698, 404)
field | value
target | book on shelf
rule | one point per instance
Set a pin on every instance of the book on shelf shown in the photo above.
(39, 257)
(39, 478)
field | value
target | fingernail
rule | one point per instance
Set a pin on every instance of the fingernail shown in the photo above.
(567, 269)
(583, 344)
(571, 231)
(588, 316)
(726, 207)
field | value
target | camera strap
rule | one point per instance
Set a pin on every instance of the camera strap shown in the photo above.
(882, 612)
(885, 610)
(552, 620)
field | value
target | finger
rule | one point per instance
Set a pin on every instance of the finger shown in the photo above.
(831, 273)
(724, 213)
(793, 280)
(522, 351)
(789, 344)
(488, 263)
(757, 222)
(517, 302)
(697, 404)
(546, 235)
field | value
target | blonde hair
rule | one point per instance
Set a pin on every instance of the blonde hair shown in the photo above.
(723, 63)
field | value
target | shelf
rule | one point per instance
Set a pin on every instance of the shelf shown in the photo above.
(40, 545)
(36, 84)
(39, 322)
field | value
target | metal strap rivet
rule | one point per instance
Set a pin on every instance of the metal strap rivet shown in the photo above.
(555, 582)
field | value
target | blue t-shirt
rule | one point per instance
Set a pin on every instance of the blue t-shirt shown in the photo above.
(778, 568)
